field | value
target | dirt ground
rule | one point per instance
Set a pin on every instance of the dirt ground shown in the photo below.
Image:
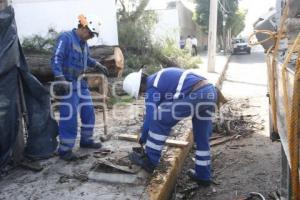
(80, 180)
(249, 163)
(84, 179)
(252, 162)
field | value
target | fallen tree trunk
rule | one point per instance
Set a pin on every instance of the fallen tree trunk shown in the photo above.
(111, 57)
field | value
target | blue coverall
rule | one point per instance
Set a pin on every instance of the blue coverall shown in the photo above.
(70, 59)
(169, 98)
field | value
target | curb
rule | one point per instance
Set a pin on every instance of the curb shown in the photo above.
(220, 80)
(162, 185)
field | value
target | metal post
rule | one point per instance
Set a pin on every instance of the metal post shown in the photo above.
(212, 35)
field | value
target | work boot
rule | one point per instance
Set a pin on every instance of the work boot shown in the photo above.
(68, 156)
(141, 160)
(192, 174)
(91, 145)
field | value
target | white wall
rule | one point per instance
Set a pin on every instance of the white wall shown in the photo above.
(36, 16)
(167, 26)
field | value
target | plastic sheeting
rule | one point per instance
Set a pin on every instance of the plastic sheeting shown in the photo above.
(42, 129)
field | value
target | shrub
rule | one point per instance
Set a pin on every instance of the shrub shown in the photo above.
(39, 44)
(169, 54)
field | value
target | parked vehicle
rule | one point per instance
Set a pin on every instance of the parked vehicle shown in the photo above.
(240, 46)
(284, 82)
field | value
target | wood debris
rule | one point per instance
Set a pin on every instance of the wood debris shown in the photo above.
(233, 119)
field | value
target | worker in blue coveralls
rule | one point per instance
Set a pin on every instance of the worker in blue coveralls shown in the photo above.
(171, 95)
(70, 60)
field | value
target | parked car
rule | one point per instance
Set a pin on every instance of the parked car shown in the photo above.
(240, 46)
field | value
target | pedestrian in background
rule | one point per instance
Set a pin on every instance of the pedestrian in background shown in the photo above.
(194, 46)
(182, 42)
(189, 45)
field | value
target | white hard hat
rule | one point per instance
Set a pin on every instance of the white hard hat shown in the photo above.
(132, 83)
(91, 22)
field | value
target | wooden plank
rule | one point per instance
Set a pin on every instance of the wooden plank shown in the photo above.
(222, 140)
(169, 142)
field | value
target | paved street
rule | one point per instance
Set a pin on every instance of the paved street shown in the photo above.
(246, 76)
(258, 162)
(251, 163)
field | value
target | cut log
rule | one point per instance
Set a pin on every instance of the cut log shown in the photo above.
(169, 142)
(112, 57)
(40, 66)
(101, 51)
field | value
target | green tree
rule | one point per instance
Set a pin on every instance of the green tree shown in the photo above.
(228, 12)
(135, 26)
(236, 22)
(202, 14)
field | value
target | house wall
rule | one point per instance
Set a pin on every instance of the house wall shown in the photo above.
(188, 26)
(36, 16)
(167, 25)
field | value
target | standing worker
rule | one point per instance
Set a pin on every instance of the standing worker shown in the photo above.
(70, 60)
(171, 95)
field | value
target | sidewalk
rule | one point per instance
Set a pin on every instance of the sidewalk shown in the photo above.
(221, 66)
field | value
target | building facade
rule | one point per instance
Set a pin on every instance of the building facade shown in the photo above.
(175, 19)
(37, 16)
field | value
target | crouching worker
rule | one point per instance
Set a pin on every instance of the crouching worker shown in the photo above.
(171, 95)
(70, 60)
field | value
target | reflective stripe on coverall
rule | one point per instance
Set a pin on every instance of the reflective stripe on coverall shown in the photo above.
(70, 59)
(199, 104)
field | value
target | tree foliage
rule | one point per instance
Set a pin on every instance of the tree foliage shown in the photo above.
(236, 22)
(40, 44)
(131, 10)
(135, 26)
(228, 11)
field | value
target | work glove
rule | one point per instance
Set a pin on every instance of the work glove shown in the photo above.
(61, 86)
(140, 141)
(101, 68)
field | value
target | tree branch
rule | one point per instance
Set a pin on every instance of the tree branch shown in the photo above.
(139, 10)
(123, 6)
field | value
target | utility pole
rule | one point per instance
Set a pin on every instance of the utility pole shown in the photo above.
(224, 16)
(212, 35)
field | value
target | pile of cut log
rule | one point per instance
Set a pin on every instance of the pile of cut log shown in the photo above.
(111, 57)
